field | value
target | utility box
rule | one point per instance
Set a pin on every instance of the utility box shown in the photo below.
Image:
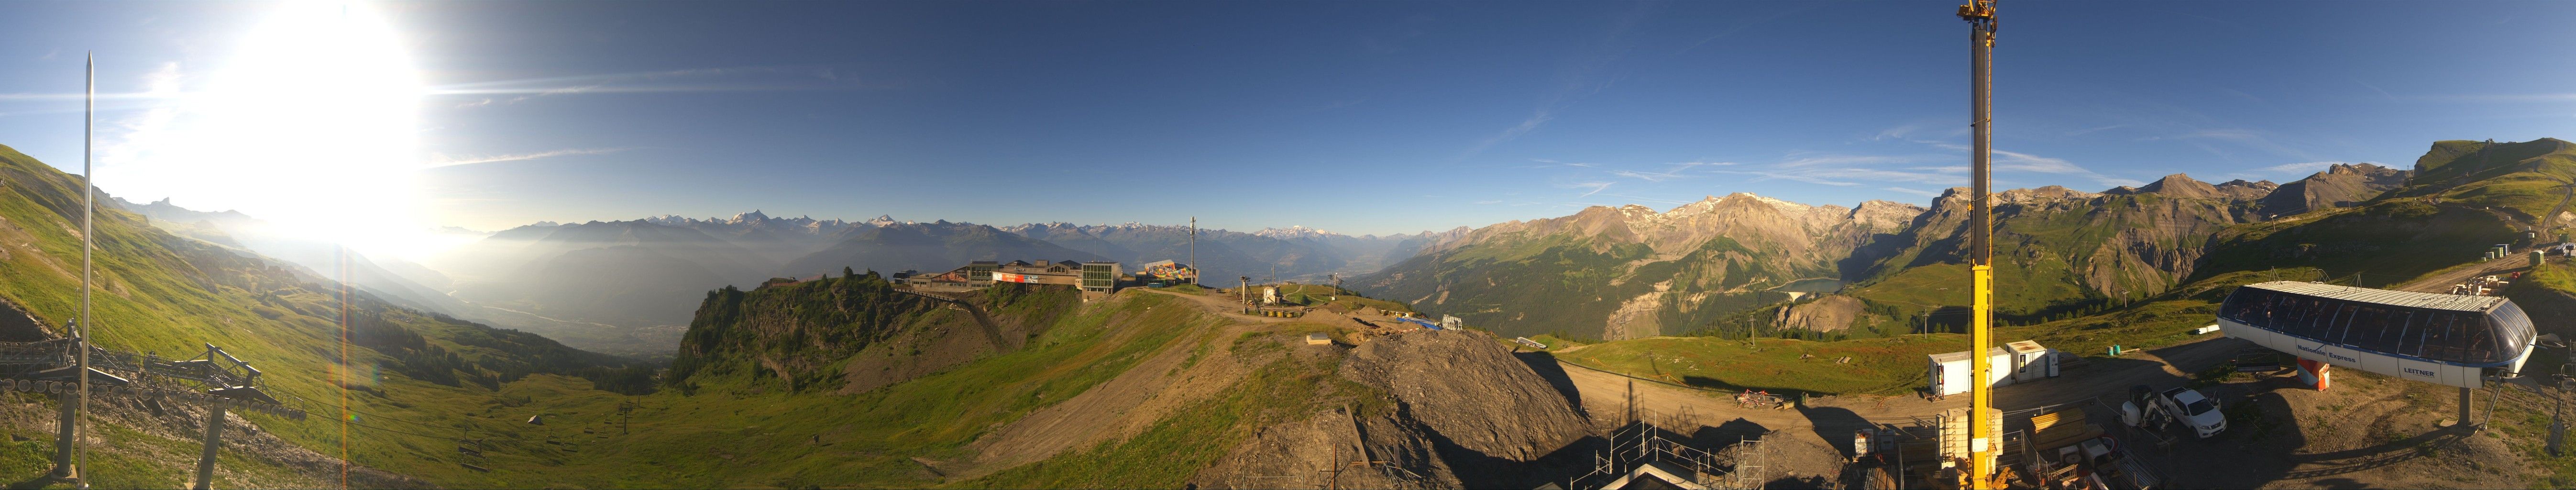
(2032, 362)
(1950, 372)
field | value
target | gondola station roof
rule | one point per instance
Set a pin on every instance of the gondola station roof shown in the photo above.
(2440, 338)
(2434, 301)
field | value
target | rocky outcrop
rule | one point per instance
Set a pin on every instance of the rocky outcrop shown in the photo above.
(2179, 185)
(1831, 312)
(2341, 185)
(2240, 190)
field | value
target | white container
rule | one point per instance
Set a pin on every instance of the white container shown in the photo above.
(1950, 372)
(2031, 362)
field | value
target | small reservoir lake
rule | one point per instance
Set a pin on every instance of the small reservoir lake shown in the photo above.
(1811, 285)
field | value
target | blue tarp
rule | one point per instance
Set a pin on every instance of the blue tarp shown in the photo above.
(1424, 324)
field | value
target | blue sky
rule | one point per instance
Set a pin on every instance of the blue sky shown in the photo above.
(1374, 117)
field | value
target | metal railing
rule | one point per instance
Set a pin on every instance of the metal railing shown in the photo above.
(1639, 443)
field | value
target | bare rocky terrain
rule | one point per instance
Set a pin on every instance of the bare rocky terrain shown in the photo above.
(1463, 386)
(1830, 312)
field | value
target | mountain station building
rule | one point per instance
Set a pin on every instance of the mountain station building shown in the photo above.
(1094, 278)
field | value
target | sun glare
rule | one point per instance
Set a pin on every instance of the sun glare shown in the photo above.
(312, 125)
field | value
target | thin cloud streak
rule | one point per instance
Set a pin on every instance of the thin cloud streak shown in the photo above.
(1764, 176)
(451, 161)
(800, 78)
(1595, 186)
(1648, 199)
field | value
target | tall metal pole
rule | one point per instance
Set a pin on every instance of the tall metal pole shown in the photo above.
(1980, 15)
(1194, 250)
(89, 204)
(214, 440)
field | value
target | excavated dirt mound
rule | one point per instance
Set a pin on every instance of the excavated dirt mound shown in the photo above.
(1463, 386)
(1304, 454)
(1784, 461)
(1447, 409)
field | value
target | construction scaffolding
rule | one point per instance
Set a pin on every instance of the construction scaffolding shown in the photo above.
(1641, 449)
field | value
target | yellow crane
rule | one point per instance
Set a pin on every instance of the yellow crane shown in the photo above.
(1982, 441)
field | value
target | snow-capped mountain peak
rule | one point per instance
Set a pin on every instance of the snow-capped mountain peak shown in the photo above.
(1295, 231)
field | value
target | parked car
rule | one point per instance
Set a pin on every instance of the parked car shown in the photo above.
(2191, 408)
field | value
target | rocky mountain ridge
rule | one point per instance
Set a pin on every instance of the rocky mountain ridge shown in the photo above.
(1631, 271)
(2120, 242)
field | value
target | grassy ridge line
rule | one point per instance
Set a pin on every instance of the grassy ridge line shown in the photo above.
(735, 434)
(1174, 448)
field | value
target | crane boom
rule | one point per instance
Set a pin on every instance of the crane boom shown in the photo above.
(1982, 441)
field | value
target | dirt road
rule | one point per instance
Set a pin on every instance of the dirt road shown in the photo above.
(1603, 393)
(1221, 305)
(2441, 283)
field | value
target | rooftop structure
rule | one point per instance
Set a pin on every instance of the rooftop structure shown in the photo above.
(2438, 338)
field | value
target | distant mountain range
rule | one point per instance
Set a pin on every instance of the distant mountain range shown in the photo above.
(1295, 253)
(1628, 272)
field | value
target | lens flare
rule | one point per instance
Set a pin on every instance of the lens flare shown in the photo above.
(313, 126)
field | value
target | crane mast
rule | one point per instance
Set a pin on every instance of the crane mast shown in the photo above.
(1982, 441)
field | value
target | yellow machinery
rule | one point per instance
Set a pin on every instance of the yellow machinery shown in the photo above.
(1982, 442)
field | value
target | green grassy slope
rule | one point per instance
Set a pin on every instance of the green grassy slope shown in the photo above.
(1280, 388)
(739, 428)
(2466, 197)
(160, 293)
(1567, 285)
(1521, 285)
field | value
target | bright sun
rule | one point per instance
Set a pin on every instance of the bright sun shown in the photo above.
(313, 126)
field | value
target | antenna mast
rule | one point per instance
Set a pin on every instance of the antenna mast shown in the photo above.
(1980, 15)
(1194, 250)
(89, 205)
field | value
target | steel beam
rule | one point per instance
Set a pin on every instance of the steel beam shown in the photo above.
(214, 440)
